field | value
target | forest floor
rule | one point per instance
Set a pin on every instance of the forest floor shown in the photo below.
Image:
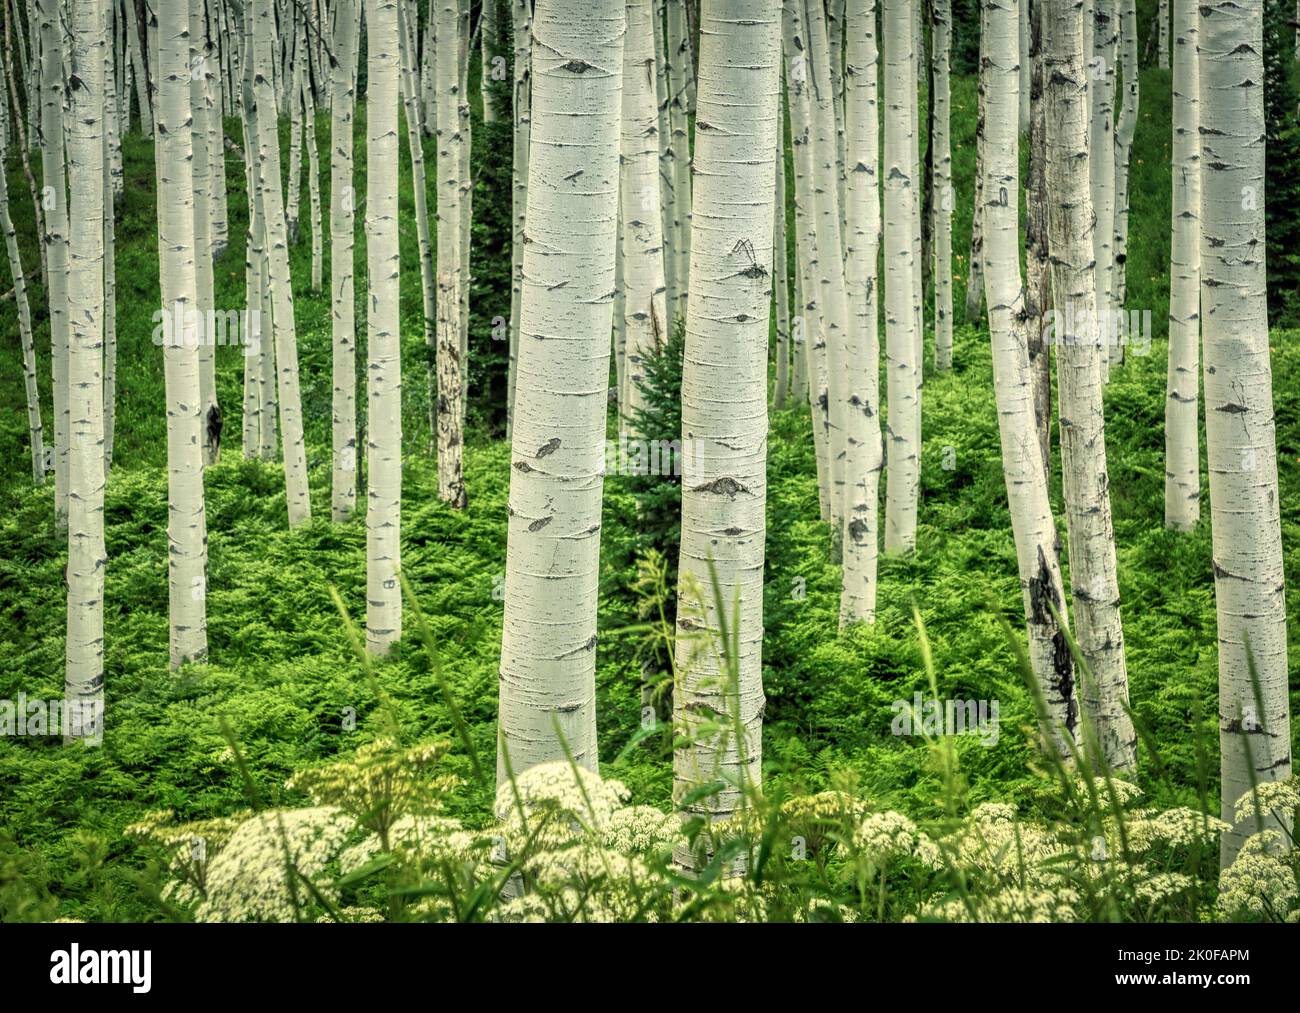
(284, 677)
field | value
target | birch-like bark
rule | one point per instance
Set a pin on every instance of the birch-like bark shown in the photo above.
(521, 16)
(342, 282)
(903, 423)
(941, 205)
(384, 365)
(55, 201)
(724, 487)
(547, 708)
(213, 88)
(205, 304)
(83, 687)
(809, 324)
(419, 185)
(465, 174)
(644, 310)
(294, 88)
(35, 427)
(862, 216)
(975, 257)
(313, 186)
(677, 47)
(781, 262)
(187, 534)
(1032, 524)
(1162, 14)
(667, 169)
(836, 11)
(1105, 36)
(112, 186)
(448, 411)
(1038, 279)
(490, 39)
(135, 44)
(1125, 126)
(1240, 432)
(830, 275)
(1182, 392)
(281, 289)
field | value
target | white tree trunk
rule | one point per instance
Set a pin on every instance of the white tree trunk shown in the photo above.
(55, 201)
(384, 365)
(724, 487)
(187, 533)
(1163, 16)
(342, 282)
(112, 186)
(1102, 140)
(84, 679)
(941, 205)
(548, 643)
(448, 410)
(1254, 719)
(781, 269)
(281, 288)
(213, 89)
(206, 306)
(644, 310)
(1124, 129)
(313, 186)
(489, 36)
(902, 275)
(1031, 512)
(677, 47)
(862, 217)
(521, 12)
(1182, 393)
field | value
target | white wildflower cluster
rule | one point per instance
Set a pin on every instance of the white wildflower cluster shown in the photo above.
(887, 836)
(556, 803)
(1270, 799)
(187, 848)
(1178, 828)
(1124, 791)
(415, 836)
(1011, 904)
(1261, 884)
(642, 830)
(259, 873)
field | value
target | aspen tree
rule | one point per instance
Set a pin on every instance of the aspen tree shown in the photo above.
(112, 179)
(1182, 393)
(903, 424)
(862, 215)
(288, 396)
(55, 201)
(1125, 126)
(836, 11)
(203, 273)
(35, 427)
(975, 257)
(342, 281)
(645, 312)
(384, 367)
(465, 175)
(677, 47)
(135, 45)
(521, 17)
(1032, 523)
(1038, 278)
(780, 259)
(187, 534)
(219, 229)
(1162, 14)
(724, 489)
(490, 37)
(313, 186)
(941, 205)
(1240, 432)
(448, 413)
(27, 134)
(1101, 139)
(667, 158)
(415, 147)
(834, 303)
(548, 643)
(293, 85)
(810, 321)
(84, 678)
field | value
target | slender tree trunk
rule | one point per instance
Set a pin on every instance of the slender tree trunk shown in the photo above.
(56, 238)
(1105, 34)
(313, 187)
(810, 324)
(547, 707)
(1124, 130)
(136, 44)
(1162, 14)
(213, 88)
(112, 177)
(724, 489)
(1182, 395)
(1038, 279)
(205, 305)
(490, 39)
(1032, 524)
(26, 139)
(1240, 437)
(667, 170)
(465, 173)
(521, 13)
(342, 282)
(384, 366)
(678, 50)
(35, 427)
(1025, 69)
(903, 427)
(187, 533)
(448, 413)
(865, 448)
(281, 289)
(941, 205)
(780, 259)
(645, 312)
(975, 259)
(84, 679)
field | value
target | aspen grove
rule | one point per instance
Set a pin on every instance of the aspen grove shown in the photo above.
(649, 460)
